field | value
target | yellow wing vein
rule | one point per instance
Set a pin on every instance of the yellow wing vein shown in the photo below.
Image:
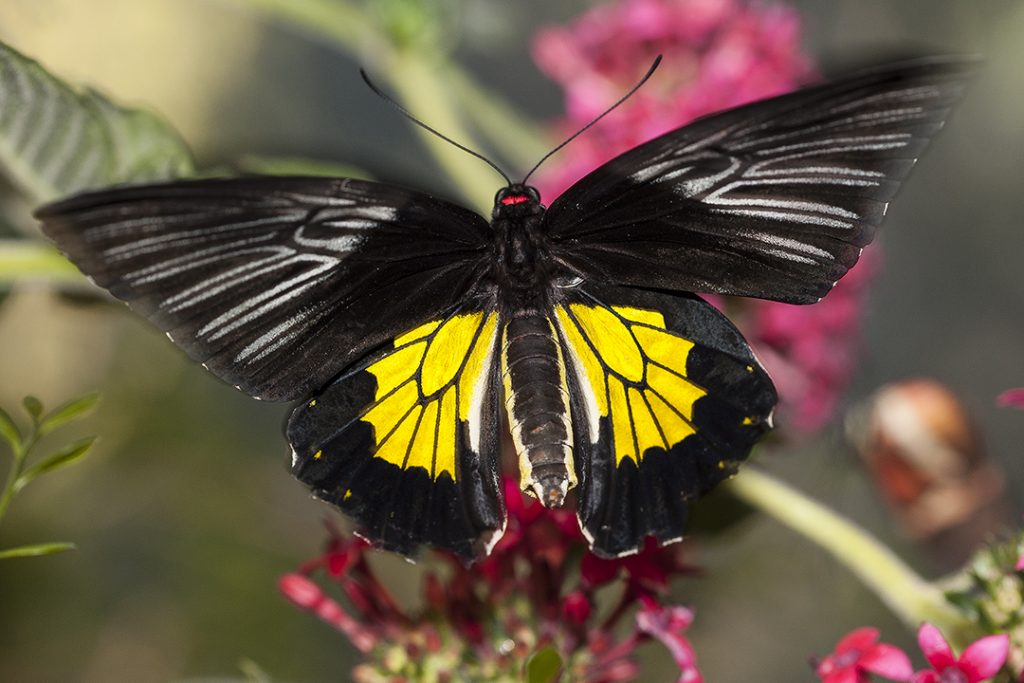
(654, 417)
(437, 433)
(682, 377)
(412, 438)
(632, 426)
(380, 444)
(672, 408)
(593, 349)
(462, 363)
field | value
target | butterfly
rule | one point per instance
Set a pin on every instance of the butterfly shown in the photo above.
(409, 328)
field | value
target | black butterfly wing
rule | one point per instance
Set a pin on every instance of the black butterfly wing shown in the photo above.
(407, 441)
(274, 284)
(667, 401)
(774, 199)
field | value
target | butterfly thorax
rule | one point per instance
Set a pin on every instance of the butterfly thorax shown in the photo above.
(522, 261)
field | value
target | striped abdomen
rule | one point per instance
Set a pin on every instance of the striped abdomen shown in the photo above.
(537, 401)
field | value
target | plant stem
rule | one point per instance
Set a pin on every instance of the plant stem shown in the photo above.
(18, 453)
(421, 91)
(420, 76)
(26, 260)
(909, 596)
(512, 134)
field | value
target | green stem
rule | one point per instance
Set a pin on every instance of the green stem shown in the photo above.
(909, 596)
(27, 260)
(18, 452)
(415, 75)
(516, 137)
(421, 91)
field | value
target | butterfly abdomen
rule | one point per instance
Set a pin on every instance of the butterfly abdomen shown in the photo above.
(537, 402)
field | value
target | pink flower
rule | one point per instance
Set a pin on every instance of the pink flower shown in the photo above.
(1012, 398)
(667, 625)
(979, 662)
(717, 54)
(859, 654)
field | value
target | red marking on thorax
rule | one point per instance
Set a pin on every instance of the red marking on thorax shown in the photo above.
(514, 199)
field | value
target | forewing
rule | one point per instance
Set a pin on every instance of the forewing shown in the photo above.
(407, 443)
(774, 199)
(274, 284)
(667, 400)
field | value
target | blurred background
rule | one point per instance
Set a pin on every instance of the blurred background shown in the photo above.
(185, 514)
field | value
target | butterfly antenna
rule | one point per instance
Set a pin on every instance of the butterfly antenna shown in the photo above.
(609, 110)
(405, 112)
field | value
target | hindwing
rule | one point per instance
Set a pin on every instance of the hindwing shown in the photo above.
(407, 443)
(667, 400)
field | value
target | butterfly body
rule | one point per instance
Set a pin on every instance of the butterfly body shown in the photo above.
(405, 325)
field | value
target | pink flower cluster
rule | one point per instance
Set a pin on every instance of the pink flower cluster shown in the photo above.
(537, 589)
(859, 654)
(717, 54)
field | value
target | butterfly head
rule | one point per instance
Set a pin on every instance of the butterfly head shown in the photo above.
(517, 200)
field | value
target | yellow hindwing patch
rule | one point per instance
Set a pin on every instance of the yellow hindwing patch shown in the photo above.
(425, 387)
(633, 372)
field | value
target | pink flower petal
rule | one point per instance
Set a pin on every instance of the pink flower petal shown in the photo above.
(983, 658)
(1012, 398)
(845, 675)
(858, 639)
(300, 590)
(666, 624)
(889, 661)
(1019, 567)
(935, 648)
(926, 677)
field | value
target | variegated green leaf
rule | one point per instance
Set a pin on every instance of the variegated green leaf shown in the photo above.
(67, 412)
(55, 141)
(65, 456)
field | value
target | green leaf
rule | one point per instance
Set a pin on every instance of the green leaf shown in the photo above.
(67, 412)
(34, 407)
(55, 141)
(36, 550)
(65, 456)
(544, 666)
(8, 430)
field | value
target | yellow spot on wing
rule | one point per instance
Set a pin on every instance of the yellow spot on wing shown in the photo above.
(432, 378)
(679, 393)
(395, 369)
(396, 444)
(474, 374)
(447, 351)
(417, 333)
(640, 315)
(318, 455)
(446, 433)
(622, 428)
(422, 452)
(611, 339)
(664, 348)
(385, 415)
(672, 425)
(646, 430)
(629, 356)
